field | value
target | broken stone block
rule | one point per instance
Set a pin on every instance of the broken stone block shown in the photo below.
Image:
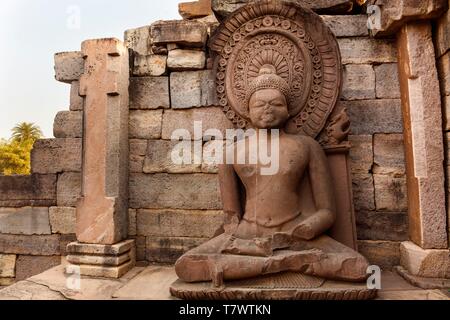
(63, 220)
(175, 191)
(169, 249)
(210, 118)
(149, 65)
(444, 74)
(388, 83)
(363, 192)
(149, 93)
(367, 50)
(186, 33)
(145, 124)
(68, 189)
(76, 101)
(159, 157)
(28, 266)
(361, 153)
(31, 190)
(375, 116)
(7, 265)
(56, 155)
(69, 66)
(223, 8)
(389, 154)
(195, 9)
(385, 254)
(46, 245)
(24, 221)
(392, 226)
(347, 25)
(390, 193)
(68, 124)
(138, 40)
(359, 82)
(192, 89)
(178, 223)
(182, 60)
(425, 263)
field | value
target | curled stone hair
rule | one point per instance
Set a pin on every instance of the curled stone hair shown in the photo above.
(267, 79)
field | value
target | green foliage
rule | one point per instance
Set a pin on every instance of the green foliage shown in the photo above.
(15, 153)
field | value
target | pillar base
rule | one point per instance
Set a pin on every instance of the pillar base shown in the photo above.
(424, 283)
(419, 264)
(104, 261)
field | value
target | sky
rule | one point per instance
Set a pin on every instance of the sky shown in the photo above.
(32, 31)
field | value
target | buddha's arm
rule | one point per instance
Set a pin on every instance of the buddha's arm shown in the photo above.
(229, 188)
(322, 189)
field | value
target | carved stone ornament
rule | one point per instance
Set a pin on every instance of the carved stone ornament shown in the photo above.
(297, 43)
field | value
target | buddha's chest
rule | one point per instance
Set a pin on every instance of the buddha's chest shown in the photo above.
(288, 160)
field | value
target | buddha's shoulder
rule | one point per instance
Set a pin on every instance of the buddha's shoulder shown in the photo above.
(303, 140)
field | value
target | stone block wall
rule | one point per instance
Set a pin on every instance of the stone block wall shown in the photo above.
(37, 212)
(176, 208)
(442, 46)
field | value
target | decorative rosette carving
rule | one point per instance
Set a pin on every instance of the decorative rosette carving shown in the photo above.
(297, 43)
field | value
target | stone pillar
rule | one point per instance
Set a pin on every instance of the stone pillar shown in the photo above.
(422, 118)
(102, 219)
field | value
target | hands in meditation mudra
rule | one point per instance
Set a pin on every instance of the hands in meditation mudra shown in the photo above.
(273, 225)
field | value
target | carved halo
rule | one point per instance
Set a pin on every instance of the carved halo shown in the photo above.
(299, 45)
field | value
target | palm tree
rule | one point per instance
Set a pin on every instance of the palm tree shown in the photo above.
(26, 132)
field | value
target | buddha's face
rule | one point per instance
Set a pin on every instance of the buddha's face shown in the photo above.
(268, 109)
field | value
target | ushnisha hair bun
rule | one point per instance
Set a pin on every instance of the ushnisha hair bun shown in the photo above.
(267, 79)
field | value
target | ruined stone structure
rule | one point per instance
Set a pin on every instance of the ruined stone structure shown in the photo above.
(112, 147)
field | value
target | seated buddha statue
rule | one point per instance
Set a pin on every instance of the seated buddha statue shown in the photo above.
(272, 226)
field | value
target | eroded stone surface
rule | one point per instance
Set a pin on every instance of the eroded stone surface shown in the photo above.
(63, 220)
(28, 266)
(195, 9)
(149, 65)
(69, 66)
(387, 81)
(68, 189)
(389, 154)
(374, 116)
(392, 226)
(361, 153)
(169, 249)
(47, 245)
(7, 265)
(359, 82)
(31, 190)
(175, 191)
(385, 254)
(425, 263)
(76, 101)
(180, 60)
(62, 154)
(192, 89)
(211, 118)
(138, 40)
(24, 221)
(347, 25)
(140, 87)
(188, 33)
(68, 124)
(161, 155)
(390, 193)
(363, 192)
(178, 223)
(365, 50)
(145, 124)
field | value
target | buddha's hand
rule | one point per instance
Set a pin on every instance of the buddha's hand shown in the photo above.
(315, 225)
(231, 222)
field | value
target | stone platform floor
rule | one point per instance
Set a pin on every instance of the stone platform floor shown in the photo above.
(153, 282)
